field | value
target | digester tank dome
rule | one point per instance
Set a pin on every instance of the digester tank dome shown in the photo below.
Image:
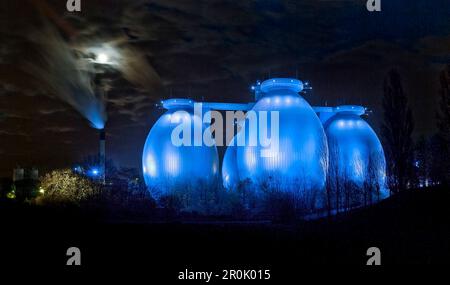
(282, 83)
(177, 103)
(298, 155)
(350, 109)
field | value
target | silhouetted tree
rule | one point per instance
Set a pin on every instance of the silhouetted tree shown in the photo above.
(335, 178)
(443, 124)
(423, 154)
(244, 190)
(397, 129)
(373, 183)
(436, 160)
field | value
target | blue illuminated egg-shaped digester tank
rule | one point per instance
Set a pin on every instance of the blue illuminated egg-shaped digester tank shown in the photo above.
(298, 160)
(230, 174)
(169, 165)
(356, 156)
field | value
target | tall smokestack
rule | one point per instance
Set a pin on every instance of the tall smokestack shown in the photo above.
(101, 154)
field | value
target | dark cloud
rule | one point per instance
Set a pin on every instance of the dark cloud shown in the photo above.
(59, 129)
(47, 111)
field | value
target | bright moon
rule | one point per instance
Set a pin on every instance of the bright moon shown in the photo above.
(102, 58)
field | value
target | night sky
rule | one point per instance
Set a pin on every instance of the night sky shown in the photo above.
(210, 49)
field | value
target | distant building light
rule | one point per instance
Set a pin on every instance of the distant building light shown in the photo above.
(77, 169)
(94, 172)
(11, 195)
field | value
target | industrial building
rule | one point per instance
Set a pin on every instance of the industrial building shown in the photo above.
(316, 144)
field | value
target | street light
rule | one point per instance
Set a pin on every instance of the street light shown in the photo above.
(95, 172)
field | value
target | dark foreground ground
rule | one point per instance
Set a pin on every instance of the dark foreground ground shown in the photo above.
(412, 228)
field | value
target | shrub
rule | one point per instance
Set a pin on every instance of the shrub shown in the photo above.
(63, 187)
